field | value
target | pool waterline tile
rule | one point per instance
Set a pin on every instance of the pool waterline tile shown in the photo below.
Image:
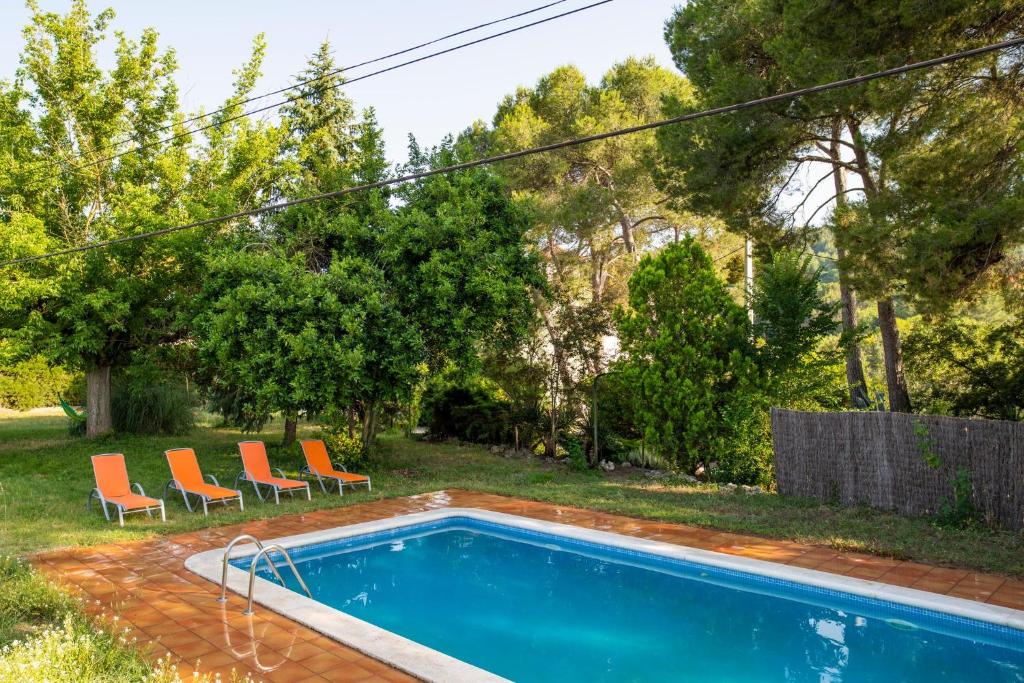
(148, 581)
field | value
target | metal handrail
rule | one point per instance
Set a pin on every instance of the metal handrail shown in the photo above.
(265, 552)
(227, 552)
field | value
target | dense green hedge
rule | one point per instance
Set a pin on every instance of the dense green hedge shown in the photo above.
(33, 384)
(471, 410)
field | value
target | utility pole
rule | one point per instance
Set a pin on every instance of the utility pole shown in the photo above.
(748, 277)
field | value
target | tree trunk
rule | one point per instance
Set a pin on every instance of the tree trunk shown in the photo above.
(855, 380)
(97, 402)
(551, 444)
(291, 425)
(895, 377)
(627, 235)
(369, 426)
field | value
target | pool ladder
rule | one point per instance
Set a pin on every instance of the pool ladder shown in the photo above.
(262, 552)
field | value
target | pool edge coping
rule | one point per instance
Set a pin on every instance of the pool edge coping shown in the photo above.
(431, 665)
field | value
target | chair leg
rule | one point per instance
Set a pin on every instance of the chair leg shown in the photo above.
(369, 486)
(241, 503)
(323, 487)
(206, 511)
(188, 506)
(120, 516)
(277, 498)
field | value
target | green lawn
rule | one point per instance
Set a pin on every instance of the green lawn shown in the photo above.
(45, 478)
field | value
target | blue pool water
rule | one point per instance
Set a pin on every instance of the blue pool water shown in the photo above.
(536, 607)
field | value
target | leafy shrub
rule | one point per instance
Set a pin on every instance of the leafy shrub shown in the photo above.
(144, 402)
(471, 410)
(34, 384)
(344, 449)
(959, 512)
(45, 637)
(574, 454)
(747, 456)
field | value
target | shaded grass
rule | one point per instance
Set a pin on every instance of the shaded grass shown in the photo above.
(45, 478)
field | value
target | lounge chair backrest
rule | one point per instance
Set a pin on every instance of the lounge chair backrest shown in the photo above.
(316, 456)
(254, 459)
(111, 475)
(184, 467)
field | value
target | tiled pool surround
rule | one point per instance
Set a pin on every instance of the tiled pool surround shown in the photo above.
(173, 611)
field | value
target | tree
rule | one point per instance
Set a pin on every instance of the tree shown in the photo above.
(793, 322)
(688, 353)
(966, 368)
(398, 291)
(94, 310)
(790, 315)
(597, 208)
(325, 148)
(899, 229)
(280, 337)
(950, 216)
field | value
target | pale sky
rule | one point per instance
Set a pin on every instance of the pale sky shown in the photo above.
(441, 95)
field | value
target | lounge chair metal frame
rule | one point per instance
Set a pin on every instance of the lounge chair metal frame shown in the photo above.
(244, 476)
(121, 509)
(175, 485)
(307, 473)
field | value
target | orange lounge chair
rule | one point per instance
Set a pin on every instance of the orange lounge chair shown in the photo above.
(187, 478)
(256, 470)
(113, 488)
(318, 464)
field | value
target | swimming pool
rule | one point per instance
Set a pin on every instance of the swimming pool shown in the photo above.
(476, 595)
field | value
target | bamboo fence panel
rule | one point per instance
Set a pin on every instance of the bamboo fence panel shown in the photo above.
(878, 459)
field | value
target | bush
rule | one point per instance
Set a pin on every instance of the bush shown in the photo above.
(344, 449)
(35, 384)
(960, 512)
(574, 454)
(148, 403)
(686, 351)
(747, 456)
(470, 410)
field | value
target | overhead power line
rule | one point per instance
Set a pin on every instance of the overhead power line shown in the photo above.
(329, 74)
(294, 98)
(716, 111)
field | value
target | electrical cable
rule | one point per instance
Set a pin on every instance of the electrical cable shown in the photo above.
(716, 111)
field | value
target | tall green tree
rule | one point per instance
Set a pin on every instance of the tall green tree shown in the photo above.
(328, 146)
(688, 353)
(597, 208)
(94, 310)
(740, 165)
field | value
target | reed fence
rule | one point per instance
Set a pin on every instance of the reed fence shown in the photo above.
(901, 462)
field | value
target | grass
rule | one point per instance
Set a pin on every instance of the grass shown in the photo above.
(45, 477)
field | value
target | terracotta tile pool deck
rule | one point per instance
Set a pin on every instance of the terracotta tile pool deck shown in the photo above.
(172, 611)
